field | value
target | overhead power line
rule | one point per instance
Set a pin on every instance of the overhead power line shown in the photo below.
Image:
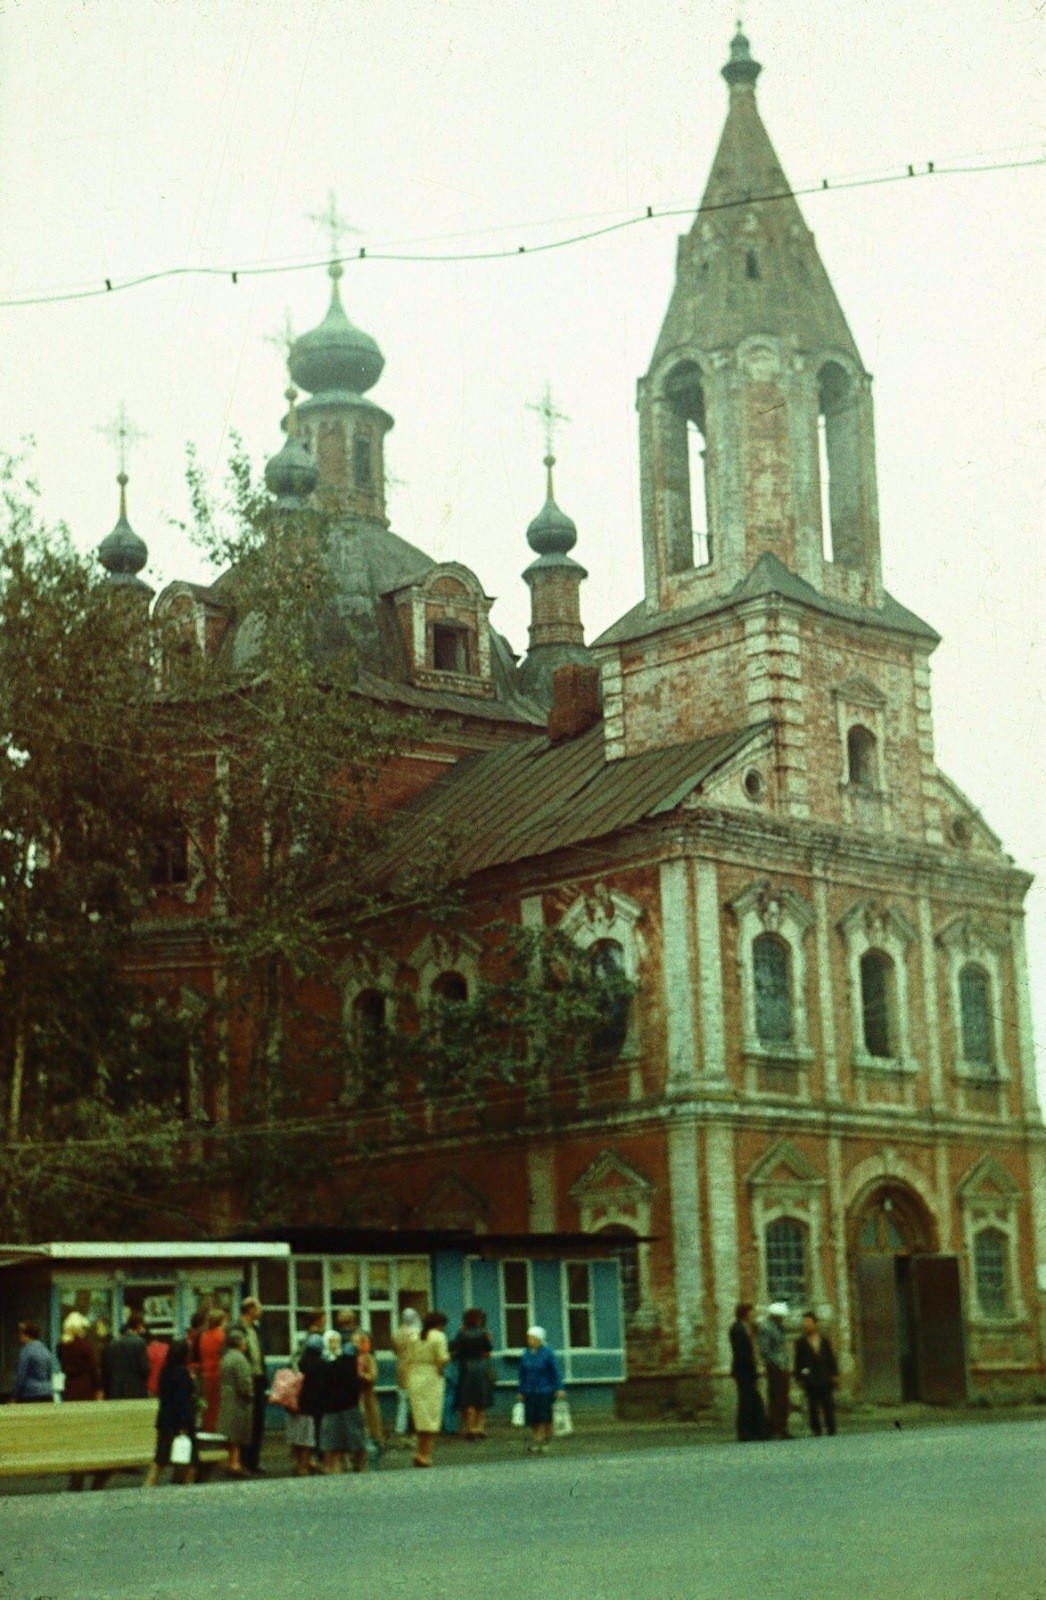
(406, 254)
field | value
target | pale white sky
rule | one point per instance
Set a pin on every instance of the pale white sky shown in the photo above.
(151, 134)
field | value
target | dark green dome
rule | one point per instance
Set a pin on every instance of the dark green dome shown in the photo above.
(552, 532)
(122, 553)
(291, 474)
(336, 355)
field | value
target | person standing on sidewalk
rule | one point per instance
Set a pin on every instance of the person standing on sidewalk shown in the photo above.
(773, 1347)
(751, 1418)
(250, 1317)
(817, 1370)
(428, 1359)
(540, 1383)
(403, 1339)
(34, 1379)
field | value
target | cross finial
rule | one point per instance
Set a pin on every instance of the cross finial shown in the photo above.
(335, 224)
(123, 435)
(546, 410)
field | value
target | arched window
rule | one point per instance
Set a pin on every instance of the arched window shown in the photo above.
(450, 986)
(990, 1249)
(370, 1026)
(860, 756)
(975, 1005)
(838, 421)
(607, 965)
(785, 1247)
(878, 1014)
(688, 523)
(362, 469)
(773, 990)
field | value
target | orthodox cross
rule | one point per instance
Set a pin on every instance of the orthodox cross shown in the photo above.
(549, 416)
(335, 224)
(122, 435)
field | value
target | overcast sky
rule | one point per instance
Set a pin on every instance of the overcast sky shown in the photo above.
(155, 134)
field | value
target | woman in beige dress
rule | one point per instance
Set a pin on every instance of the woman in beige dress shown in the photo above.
(427, 1357)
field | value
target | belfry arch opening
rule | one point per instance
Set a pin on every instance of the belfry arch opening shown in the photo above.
(687, 520)
(839, 465)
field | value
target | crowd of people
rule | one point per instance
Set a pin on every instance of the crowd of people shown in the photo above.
(213, 1382)
(812, 1365)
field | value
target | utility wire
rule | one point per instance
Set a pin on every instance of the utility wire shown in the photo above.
(111, 285)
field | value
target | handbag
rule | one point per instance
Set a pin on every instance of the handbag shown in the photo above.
(562, 1423)
(181, 1450)
(286, 1389)
(519, 1414)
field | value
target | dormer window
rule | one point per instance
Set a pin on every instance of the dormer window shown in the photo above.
(451, 648)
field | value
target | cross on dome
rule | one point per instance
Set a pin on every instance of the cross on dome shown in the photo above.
(334, 223)
(123, 435)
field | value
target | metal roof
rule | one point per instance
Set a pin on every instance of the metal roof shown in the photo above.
(532, 797)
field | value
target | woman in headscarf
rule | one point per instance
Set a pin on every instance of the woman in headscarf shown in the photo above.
(472, 1349)
(342, 1433)
(428, 1357)
(301, 1430)
(540, 1383)
(403, 1339)
(176, 1415)
(78, 1361)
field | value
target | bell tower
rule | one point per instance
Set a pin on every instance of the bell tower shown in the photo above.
(756, 431)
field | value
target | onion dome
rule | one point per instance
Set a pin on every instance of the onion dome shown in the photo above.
(552, 532)
(336, 355)
(291, 474)
(122, 553)
(741, 68)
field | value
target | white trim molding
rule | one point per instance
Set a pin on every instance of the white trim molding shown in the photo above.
(445, 952)
(612, 1194)
(859, 702)
(970, 940)
(990, 1198)
(784, 1184)
(760, 909)
(870, 926)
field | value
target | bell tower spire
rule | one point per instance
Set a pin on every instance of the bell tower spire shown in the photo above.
(756, 431)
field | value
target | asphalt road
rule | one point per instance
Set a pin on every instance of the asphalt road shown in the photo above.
(955, 1513)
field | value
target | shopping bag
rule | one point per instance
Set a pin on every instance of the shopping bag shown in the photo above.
(561, 1420)
(181, 1450)
(519, 1414)
(286, 1389)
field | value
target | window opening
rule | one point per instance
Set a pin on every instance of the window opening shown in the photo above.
(785, 1242)
(840, 466)
(450, 986)
(515, 1303)
(626, 1249)
(773, 998)
(877, 978)
(169, 868)
(989, 1270)
(975, 1006)
(378, 1291)
(822, 479)
(450, 648)
(370, 1025)
(607, 966)
(751, 264)
(860, 756)
(579, 1304)
(362, 473)
(695, 445)
(686, 489)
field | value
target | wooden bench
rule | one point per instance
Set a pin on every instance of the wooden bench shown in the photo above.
(86, 1436)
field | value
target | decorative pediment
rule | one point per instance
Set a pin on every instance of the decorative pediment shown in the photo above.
(611, 1177)
(783, 1166)
(602, 913)
(880, 925)
(774, 907)
(453, 1203)
(442, 951)
(988, 1180)
(971, 935)
(859, 691)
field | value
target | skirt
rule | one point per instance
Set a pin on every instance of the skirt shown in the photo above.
(475, 1390)
(300, 1431)
(537, 1408)
(343, 1431)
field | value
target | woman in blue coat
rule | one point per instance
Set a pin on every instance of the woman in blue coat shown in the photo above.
(540, 1383)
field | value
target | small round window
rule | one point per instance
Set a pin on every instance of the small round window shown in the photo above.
(961, 832)
(754, 786)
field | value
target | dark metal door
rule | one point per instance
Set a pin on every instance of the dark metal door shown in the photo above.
(877, 1328)
(940, 1345)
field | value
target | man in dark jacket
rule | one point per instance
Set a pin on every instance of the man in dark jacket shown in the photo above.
(751, 1417)
(125, 1364)
(818, 1372)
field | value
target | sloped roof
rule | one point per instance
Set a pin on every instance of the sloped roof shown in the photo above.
(529, 798)
(768, 576)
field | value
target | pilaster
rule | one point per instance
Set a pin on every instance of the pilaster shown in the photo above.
(928, 962)
(722, 1229)
(710, 970)
(829, 1055)
(678, 973)
(685, 1202)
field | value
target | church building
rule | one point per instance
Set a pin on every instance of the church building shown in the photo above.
(823, 1090)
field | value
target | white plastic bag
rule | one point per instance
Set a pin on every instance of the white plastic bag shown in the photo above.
(561, 1419)
(519, 1414)
(181, 1450)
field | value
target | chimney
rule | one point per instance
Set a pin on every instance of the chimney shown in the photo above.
(575, 702)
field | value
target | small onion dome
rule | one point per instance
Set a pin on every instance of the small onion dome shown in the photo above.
(291, 474)
(552, 532)
(740, 68)
(335, 355)
(122, 553)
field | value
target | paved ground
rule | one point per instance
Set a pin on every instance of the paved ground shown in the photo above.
(932, 1513)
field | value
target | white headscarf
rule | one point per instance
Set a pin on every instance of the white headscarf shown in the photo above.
(536, 1333)
(410, 1318)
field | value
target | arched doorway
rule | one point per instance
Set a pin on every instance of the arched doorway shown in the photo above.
(907, 1300)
